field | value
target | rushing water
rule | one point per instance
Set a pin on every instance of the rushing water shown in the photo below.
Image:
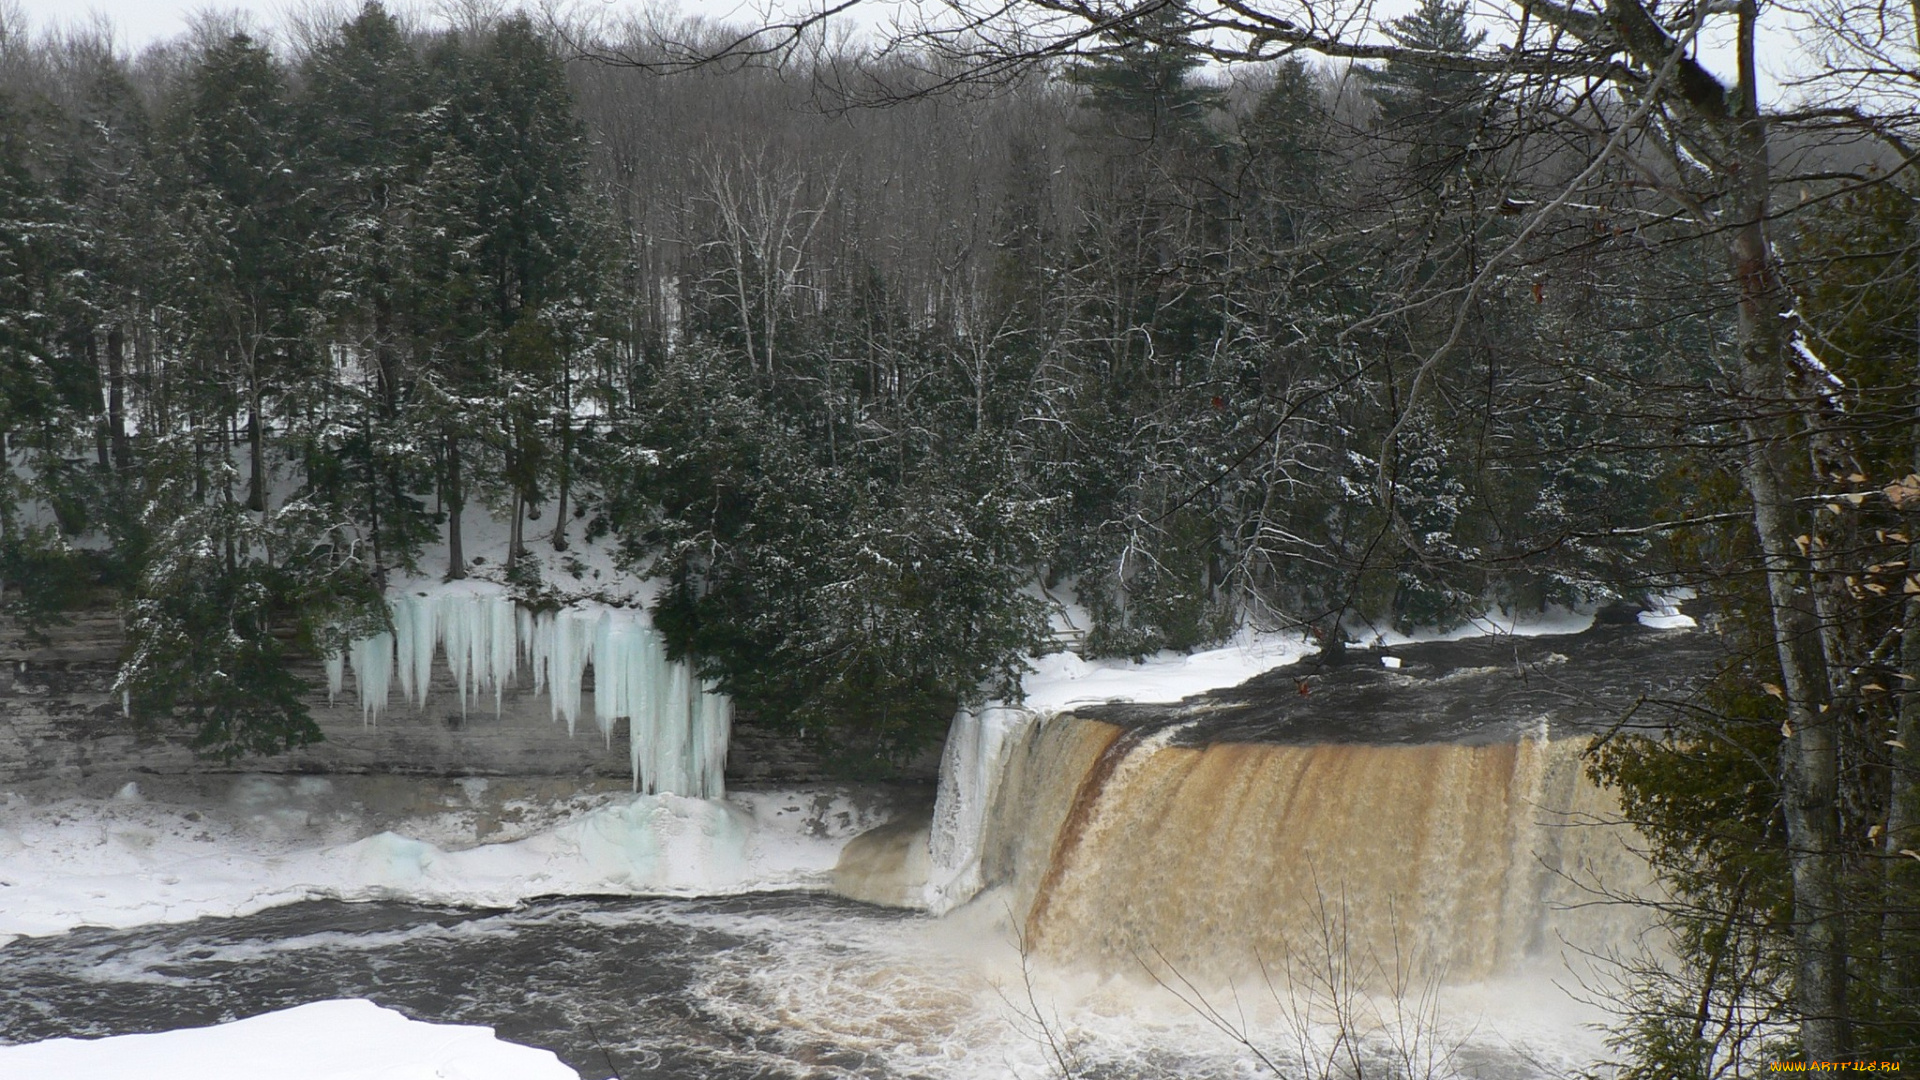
(781, 985)
(613, 987)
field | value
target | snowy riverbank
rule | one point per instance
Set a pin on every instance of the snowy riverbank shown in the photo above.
(324, 1040)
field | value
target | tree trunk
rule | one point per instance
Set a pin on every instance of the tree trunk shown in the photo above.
(564, 481)
(117, 398)
(1774, 475)
(516, 530)
(456, 502)
(256, 442)
(1900, 925)
(101, 437)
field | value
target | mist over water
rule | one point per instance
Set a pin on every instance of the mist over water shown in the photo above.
(782, 985)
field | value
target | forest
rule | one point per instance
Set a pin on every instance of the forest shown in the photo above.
(1202, 317)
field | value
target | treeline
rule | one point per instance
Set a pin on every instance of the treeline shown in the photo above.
(857, 383)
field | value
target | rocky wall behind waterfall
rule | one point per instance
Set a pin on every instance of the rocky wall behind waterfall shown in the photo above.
(59, 718)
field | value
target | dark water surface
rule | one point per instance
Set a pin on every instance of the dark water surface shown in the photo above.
(614, 987)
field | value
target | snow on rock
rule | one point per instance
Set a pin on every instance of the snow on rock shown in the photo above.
(351, 1039)
(1062, 680)
(1667, 617)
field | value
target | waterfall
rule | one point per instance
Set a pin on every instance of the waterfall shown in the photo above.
(677, 726)
(1113, 848)
(970, 768)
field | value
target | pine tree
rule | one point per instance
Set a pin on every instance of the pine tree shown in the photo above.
(1142, 81)
(1435, 114)
(365, 118)
(245, 273)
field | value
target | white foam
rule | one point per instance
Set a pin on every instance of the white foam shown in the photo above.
(324, 1040)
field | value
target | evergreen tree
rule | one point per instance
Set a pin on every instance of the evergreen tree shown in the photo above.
(244, 279)
(365, 121)
(1434, 114)
(509, 187)
(1142, 82)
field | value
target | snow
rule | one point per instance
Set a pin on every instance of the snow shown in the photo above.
(1814, 363)
(1059, 681)
(126, 860)
(1664, 611)
(326, 1040)
(1667, 617)
(1547, 623)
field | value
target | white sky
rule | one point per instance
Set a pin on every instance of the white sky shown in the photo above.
(139, 23)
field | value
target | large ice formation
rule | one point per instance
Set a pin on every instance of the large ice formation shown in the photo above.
(677, 726)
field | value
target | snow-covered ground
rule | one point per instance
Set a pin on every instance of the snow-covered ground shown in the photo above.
(1063, 680)
(128, 860)
(324, 1040)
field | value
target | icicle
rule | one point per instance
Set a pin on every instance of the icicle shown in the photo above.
(506, 649)
(609, 684)
(527, 636)
(372, 660)
(536, 637)
(671, 731)
(677, 725)
(651, 776)
(567, 666)
(401, 612)
(456, 632)
(714, 732)
(426, 634)
(336, 674)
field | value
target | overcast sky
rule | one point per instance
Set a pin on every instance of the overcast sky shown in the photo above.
(139, 23)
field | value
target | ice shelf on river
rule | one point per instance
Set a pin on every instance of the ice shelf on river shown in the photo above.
(677, 726)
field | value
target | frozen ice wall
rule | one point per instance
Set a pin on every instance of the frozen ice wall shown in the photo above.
(677, 726)
(971, 769)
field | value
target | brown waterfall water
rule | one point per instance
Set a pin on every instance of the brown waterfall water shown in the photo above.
(1121, 851)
